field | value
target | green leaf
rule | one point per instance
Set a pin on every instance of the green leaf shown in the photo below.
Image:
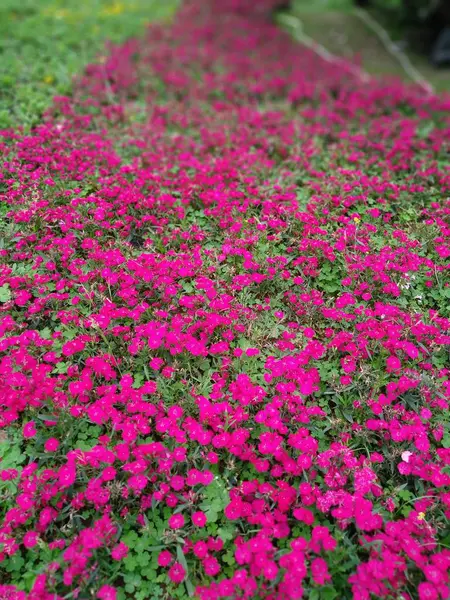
(328, 593)
(5, 293)
(226, 533)
(189, 587)
(229, 558)
(210, 513)
(45, 333)
(182, 559)
(61, 368)
(130, 562)
(138, 380)
(446, 440)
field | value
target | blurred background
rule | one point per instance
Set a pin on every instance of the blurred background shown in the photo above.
(44, 43)
(386, 37)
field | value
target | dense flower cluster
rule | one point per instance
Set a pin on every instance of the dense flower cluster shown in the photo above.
(224, 320)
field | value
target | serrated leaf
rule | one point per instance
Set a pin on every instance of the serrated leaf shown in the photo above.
(45, 333)
(226, 533)
(211, 515)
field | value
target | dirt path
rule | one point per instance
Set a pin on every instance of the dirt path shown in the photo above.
(337, 27)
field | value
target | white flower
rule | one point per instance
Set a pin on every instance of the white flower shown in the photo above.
(406, 455)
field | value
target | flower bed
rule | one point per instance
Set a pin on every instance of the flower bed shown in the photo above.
(224, 310)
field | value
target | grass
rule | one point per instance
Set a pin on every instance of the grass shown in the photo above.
(336, 26)
(44, 43)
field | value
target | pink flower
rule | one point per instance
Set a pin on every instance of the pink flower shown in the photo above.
(199, 519)
(107, 592)
(137, 483)
(233, 510)
(30, 539)
(120, 551)
(156, 363)
(51, 445)
(177, 573)
(10, 592)
(427, 591)
(109, 474)
(211, 566)
(305, 515)
(164, 558)
(319, 571)
(252, 352)
(212, 457)
(306, 387)
(200, 549)
(393, 364)
(177, 482)
(29, 430)
(270, 570)
(8, 474)
(435, 575)
(176, 521)
(215, 544)
(206, 477)
(25, 501)
(67, 475)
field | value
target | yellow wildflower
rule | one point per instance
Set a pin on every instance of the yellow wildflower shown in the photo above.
(421, 516)
(48, 79)
(116, 8)
(357, 220)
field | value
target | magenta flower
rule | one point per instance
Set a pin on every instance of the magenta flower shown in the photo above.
(164, 558)
(211, 566)
(107, 592)
(176, 573)
(176, 521)
(199, 519)
(51, 445)
(30, 539)
(29, 430)
(319, 571)
(120, 551)
(200, 549)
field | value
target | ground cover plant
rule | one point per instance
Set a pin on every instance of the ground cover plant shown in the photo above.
(224, 321)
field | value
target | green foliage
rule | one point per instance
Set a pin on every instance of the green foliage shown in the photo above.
(216, 499)
(5, 293)
(44, 43)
